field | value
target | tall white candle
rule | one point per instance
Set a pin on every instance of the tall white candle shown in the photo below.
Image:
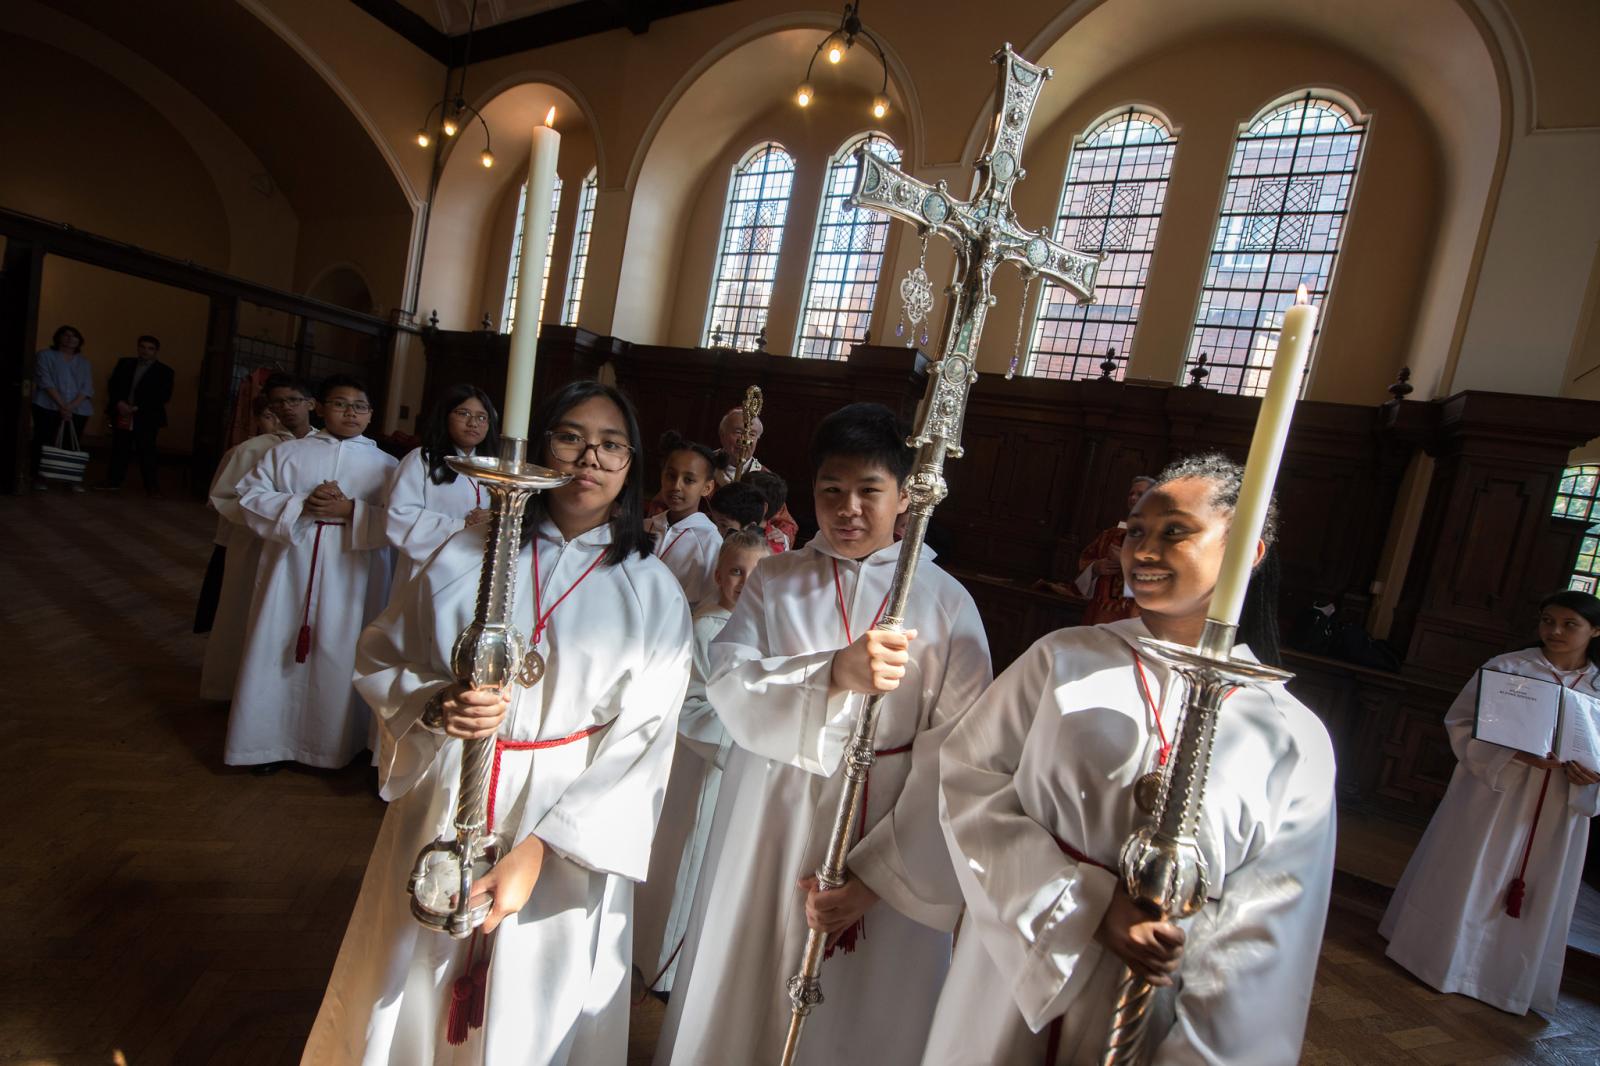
(1266, 451)
(536, 223)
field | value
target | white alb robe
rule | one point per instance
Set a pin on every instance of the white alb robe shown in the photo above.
(225, 644)
(308, 711)
(616, 651)
(423, 515)
(1447, 922)
(769, 682)
(661, 909)
(689, 547)
(1051, 752)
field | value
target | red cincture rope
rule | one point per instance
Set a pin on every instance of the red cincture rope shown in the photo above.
(302, 643)
(857, 930)
(674, 543)
(1519, 885)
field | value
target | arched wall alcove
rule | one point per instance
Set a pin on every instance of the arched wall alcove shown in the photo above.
(473, 222)
(1433, 75)
(739, 96)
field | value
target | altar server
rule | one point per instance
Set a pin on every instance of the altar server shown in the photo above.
(788, 674)
(289, 401)
(703, 749)
(324, 571)
(1486, 901)
(685, 537)
(428, 502)
(583, 758)
(1038, 788)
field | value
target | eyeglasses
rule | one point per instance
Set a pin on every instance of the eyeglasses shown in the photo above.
(360, 407)
(568, 447)
(290, 401)
(471, 418)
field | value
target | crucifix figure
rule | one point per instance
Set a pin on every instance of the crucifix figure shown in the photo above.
(984, 233)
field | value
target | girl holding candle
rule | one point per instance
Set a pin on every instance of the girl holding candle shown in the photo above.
(1484, 906)
(1040, 784)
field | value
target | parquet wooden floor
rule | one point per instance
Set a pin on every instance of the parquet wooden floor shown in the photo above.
(161, 904)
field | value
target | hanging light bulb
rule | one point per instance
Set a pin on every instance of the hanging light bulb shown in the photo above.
(423, 140)
(880, 106)
(487, 158)
(804, 95)
(450, 126)
(834, 48)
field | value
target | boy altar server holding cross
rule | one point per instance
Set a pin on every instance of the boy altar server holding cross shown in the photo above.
(787, 673)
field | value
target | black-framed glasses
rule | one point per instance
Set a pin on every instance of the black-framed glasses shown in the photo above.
(569, 447)
(360, 407)
(471, 418)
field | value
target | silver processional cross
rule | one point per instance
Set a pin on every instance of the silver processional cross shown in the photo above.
(985, 233)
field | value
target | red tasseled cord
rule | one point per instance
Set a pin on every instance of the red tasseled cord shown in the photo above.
(1519, 887)
(302, 646)
(479, 1000)
(1514, 897)
(457, 1024)
(848, 940)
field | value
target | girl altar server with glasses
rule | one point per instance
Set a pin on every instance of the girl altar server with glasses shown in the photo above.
(582, 760)
(429, 502)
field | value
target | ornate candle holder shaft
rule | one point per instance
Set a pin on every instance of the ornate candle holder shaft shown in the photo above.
(1163, 868)
(490, 653)
(984, 233)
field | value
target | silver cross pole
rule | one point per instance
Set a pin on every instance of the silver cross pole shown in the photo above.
(984, 233)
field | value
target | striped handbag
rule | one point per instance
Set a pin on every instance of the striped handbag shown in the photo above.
(61, 462)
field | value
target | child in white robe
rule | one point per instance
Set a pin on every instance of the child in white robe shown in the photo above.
(1038, 790)
(428, 502)
(664, 900)
(324, 571)
(574, 815)
(788, 676)
(1450, 921)
(685, 537)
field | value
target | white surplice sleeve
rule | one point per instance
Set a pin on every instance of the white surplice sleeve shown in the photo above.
(1247, 976)
(903, 857)
(1485, 761)
(777, 707)
(1035, 909)
(268, 511)
(411, 526)
(606, 818)
(698, 723)
(403, 658)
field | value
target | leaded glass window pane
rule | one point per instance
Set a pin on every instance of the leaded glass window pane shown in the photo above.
(580, 249)
(1576, 498)
(1282, 221)
(752, 234)
(508, 314)
(1111, 204)
(846, 259)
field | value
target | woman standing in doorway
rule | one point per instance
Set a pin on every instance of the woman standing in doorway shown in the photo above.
(63, 390)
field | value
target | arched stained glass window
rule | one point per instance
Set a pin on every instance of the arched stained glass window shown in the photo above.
(1578, 496)
(1111, 204)
(1282, 221)
(508, 314)
(580, 249)
(752, 234)
(846, 259)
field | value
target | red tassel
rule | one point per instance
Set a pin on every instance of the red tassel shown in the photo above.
(848, 940)
(479, 999)
(1514, 898)
(459, 1020)
(302, 646)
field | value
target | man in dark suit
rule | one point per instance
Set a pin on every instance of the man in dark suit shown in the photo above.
(137, 407)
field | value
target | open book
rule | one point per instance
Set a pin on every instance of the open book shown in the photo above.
(1538, 717)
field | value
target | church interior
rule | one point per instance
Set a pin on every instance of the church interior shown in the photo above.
(326, 187)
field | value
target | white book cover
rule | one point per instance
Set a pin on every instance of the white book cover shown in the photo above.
(1518, 712)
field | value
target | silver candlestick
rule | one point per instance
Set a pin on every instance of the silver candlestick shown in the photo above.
(1163, 868)
(491, 653)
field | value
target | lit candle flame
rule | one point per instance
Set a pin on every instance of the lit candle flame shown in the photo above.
(550, 120)
(1300, 296)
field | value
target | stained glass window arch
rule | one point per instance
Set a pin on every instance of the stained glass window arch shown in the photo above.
(1111, 204)
(508, 312)
(846, 258)
(747, 252)
(1281, 225)
(580, 248)
(1578, 496)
